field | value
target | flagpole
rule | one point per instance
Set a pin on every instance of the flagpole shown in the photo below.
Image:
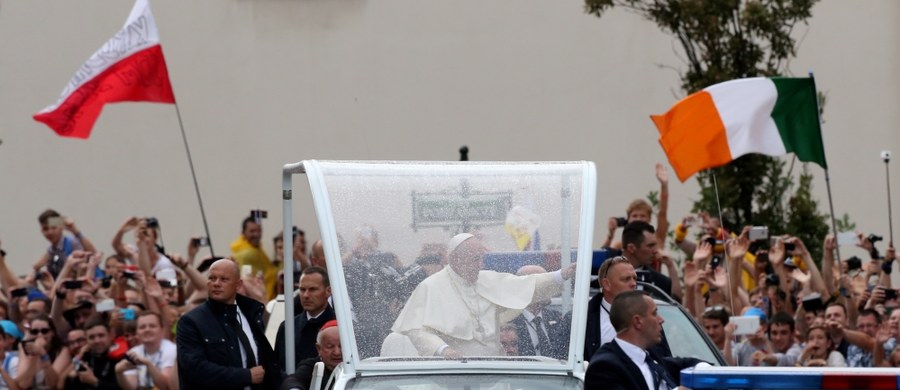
(187, 149)
(722, 226)
(886, 156)
(837, 248)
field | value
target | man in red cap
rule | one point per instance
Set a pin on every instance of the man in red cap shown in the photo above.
(328, 344)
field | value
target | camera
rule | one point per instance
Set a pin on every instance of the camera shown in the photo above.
(621, 221)
(757, 233)
(19, 292)
(128, 274)
(259, 214)
(854, 263)
(813, 303)
(873, 238)
(772, 280)
(886, 155)
(789, 247)
(715, 262)
(168, 283)
(127, 314)
(890, 294)
(73, 284)
(202, 241)
(152, 222)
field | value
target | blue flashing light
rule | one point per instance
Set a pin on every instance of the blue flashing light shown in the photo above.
(749, 380)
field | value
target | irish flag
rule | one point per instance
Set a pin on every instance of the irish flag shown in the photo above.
(129, 67)
(771, 116)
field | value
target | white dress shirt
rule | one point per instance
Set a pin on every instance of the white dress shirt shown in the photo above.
(607, 332)
(245, 326)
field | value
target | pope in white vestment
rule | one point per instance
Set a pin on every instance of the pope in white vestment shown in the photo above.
(458, 310)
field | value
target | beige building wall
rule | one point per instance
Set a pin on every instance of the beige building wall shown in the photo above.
(267, 82)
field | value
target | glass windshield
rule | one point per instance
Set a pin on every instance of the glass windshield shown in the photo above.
(685, 340)
(467, 382)
(430, 253)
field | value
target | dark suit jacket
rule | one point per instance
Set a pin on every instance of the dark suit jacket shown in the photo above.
(300, 379)
(209, 354)
(557, 332)
(305, 340)
(592, 333)
(612, 369)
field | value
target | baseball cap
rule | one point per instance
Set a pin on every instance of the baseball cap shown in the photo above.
(10, 329)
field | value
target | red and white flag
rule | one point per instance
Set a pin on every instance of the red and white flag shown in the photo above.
(129, 67)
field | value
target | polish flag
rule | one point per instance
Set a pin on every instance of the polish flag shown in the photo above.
(130, 67)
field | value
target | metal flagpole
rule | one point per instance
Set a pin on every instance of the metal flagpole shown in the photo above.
(721, 226)
(886, 156)
(194, 176)
(837, 248)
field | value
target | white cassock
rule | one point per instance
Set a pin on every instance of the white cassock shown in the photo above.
(445, 309)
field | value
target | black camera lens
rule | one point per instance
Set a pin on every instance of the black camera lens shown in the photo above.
(874, 238)
(152, 222)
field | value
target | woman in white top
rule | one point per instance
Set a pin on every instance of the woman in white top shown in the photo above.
(818, 351)
(41, 355)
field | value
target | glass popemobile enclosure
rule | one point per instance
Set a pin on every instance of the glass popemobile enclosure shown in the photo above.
(454, 274)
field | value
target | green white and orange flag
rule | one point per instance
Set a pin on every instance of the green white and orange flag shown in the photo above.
(771, 116)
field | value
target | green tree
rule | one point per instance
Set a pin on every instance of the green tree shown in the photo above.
(724, 40)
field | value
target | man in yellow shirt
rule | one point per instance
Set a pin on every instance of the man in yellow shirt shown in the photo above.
(246, 250)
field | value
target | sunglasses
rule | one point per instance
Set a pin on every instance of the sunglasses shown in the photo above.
(613, 261)
(714, 308)
(35, 331)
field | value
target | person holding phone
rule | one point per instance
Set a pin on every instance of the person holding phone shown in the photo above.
(641, 210)
(40, 357)
(53, 227)
(247, 250)
(93, 368)
(151, 363)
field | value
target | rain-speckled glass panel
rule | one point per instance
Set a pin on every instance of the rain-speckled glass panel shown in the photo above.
(498, 292)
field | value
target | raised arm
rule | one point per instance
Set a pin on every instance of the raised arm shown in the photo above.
(681, 231)
(816, 282)
(7, 278)
(130, 224)
(735, 249)
(889, 256)
(612, 224)
(662, 219)
(145, 243)
(828, 263)
(677, 291)
(85, 242)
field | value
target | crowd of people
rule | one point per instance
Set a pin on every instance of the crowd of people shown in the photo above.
(135, 318)
(139, 317)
